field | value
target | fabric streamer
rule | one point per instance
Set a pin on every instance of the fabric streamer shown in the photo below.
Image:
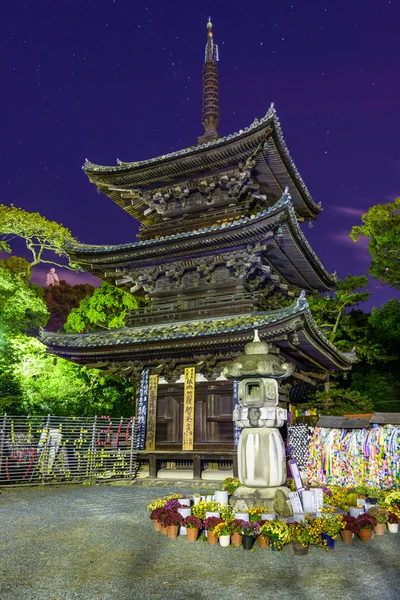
(355, 457)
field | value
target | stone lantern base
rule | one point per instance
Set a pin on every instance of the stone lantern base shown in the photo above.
(275, 499)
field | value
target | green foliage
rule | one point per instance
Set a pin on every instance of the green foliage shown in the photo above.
(340, 401)
(35, 382)
(61, 299)
(386, 323)
(39, 234)
(21, 308)
(329, 310)
(231, 484)
(381, 385)
(106, 309)
(18, 266)
(381, 225)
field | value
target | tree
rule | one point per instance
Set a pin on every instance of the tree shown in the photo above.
(39, 234)
(329, 310)
(17, 265)
(381, 226)
(61, 299)
(386, 323)
(106, 309)
(340, 401)
(21, 307)
(35, 382)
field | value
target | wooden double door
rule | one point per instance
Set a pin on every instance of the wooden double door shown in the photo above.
(213, 415)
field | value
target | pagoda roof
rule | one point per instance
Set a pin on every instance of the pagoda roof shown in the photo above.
(292, 328)
(262, 141)
(289, 251)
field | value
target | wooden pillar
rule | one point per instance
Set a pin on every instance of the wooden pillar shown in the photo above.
(196, 466)
(152, 465)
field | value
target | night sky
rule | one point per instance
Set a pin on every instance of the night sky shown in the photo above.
(110, 79)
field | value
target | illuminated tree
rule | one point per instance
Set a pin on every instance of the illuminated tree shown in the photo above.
(381, 226)
(39, 234)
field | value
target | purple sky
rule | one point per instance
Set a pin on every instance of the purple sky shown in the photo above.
(110, 79)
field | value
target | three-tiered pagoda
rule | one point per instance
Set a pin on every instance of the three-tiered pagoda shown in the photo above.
(220, 253)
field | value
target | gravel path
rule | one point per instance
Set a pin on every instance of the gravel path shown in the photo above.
(97, 543)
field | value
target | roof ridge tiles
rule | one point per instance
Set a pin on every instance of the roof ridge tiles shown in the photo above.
(121, 165)
(169, 331)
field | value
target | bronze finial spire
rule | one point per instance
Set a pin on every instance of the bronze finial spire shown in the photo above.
(210, 112)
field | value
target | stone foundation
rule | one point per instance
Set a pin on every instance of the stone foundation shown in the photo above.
(275, 499)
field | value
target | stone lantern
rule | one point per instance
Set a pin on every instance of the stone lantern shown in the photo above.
(261, 452)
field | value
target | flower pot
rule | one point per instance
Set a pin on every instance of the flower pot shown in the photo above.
(184, 502)
(365, 535)
(185, 511)
(330, 542)
(393, 527)
(299, 548)
(242, 515)
(274, 547)
(172, 531)
(268, 516)
(372, 500)
(263, 541)
(196, 499)
(236, 539)
(192, 534)
(380, 528)
(212, 513)
(212, 539)
(299, 517)
(347, 536)
(221, 496)
(157, 525)
(224, 540)
(247, 541)
(163, 530)
(356, 512)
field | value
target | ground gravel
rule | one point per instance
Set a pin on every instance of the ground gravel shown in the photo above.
(97, 543)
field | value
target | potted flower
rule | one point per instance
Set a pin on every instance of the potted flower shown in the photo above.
(331, 526)
(227, 513)
(380, 514)
(223, 532)
(373, 495)
(278, 533)
(158, 502)
(391, 498)
(263, 540)
(209, 525)
(199, 509)
(173, 504)
(193, 525)
(236, 526)
(250, 531)
(361, 491)
(349, 528)
(213, 509)
(366, 523)
(171, 520)
(393, 522)
(231, 484)
(301, 537)
(255, 513)
(156, 516)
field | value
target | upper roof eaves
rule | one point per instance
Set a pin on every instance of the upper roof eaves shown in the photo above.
(97, 172)
(121, 166)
